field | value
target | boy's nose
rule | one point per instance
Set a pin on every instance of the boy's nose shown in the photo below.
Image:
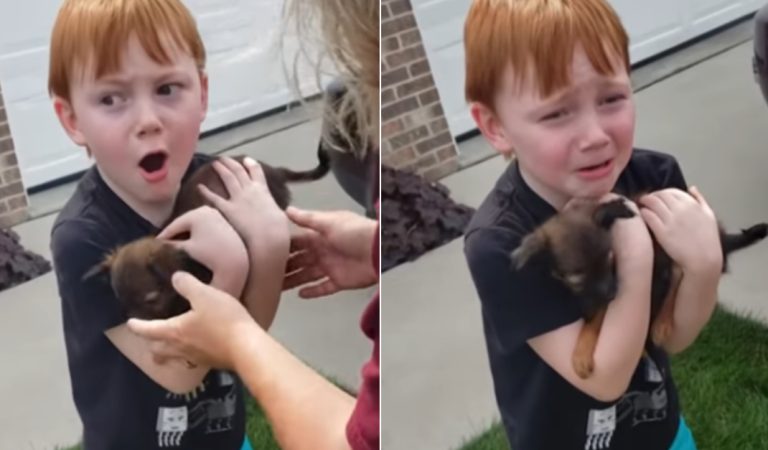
(593, 135)
(149, 121)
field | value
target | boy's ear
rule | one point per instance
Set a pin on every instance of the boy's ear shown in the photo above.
(490, 125)
(68, 120)
(204, 94)
(534, 245)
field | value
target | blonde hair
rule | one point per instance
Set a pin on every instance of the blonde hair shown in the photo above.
(348, 31)
(94, 32)
(538, 37)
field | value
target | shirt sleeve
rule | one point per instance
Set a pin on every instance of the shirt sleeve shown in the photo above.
(363, 426)
(517, 305)
(90, 305)
(672, 175)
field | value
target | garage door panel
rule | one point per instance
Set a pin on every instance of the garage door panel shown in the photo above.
(709, 14)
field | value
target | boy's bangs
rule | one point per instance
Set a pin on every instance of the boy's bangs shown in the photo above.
(91, 34)
(538, 39)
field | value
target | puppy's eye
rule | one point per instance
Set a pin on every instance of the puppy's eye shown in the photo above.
(575, 279)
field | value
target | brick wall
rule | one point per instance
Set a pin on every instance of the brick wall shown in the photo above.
(13, 196)
(415, 135)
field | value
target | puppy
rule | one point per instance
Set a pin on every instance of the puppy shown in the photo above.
(140, 271)
(576, 247)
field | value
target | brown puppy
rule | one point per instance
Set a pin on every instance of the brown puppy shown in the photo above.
(140, 271)
(575, 246)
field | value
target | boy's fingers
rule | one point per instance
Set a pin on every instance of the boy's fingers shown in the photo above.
(211, 196)
(229, 179)
(180, 225)
(698, 196)
(237, 169)
(652, 220)
(654, 203)
(255, 171)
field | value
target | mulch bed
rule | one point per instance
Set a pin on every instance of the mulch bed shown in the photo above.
(416, 216)
(18, 265)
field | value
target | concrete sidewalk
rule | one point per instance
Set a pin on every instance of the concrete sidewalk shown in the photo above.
(437, 384)
(39, 413)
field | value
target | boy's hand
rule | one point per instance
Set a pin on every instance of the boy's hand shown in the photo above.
(250, 209)
(685, 226)
(214, 244)
(632, 243)
(335, 247)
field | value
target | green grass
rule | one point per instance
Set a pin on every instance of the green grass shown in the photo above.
(723, 384)
(256, 425)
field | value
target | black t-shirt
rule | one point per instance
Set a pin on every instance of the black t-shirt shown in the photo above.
(540, 410)
(121, 407)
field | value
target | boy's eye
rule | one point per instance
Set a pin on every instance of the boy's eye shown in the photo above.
(615, 98)
(110, 99)
(560, 113)
(167, 89)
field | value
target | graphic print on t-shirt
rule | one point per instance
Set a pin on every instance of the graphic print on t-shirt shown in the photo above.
(638, 406)
(214, 414)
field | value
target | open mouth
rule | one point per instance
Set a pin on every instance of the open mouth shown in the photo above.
(153, 162)
(602, 165)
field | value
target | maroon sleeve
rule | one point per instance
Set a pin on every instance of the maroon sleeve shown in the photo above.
(363, 425)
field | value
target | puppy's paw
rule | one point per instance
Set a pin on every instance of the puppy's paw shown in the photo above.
(583, 365)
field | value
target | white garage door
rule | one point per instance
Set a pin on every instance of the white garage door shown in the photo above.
(653, 25)
(246, 75)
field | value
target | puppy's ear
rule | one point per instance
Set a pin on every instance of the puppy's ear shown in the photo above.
(103, 267)
(533, 245)
(607, 213)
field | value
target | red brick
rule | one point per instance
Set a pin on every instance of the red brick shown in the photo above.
(5, 130)
(429, 97)
(400, 7)
(446, 153)
(396, 109)
(409, 137)
(3, 207)
(419, 67)
(11, 190)
(400, 158)
(443, 170)
(388, 96)
(13, 218)
(433, 143)
(391, 44)
(393, 77)
(6, 145)
(11, 175)
(413, 86)
(8, 160)
(385, 13)
(397, 25)
(17, 202)
(406, 56)
(438, 125)
(391, 128)
(436, 110)
(3, 116)
(410, 38)
(426, 162)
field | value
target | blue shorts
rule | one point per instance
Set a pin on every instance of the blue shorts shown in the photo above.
(684, 438)
(246, 444)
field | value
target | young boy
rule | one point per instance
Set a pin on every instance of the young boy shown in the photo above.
(128, 83)
(548, 83)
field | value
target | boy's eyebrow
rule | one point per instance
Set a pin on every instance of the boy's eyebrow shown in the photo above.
(121, 80)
